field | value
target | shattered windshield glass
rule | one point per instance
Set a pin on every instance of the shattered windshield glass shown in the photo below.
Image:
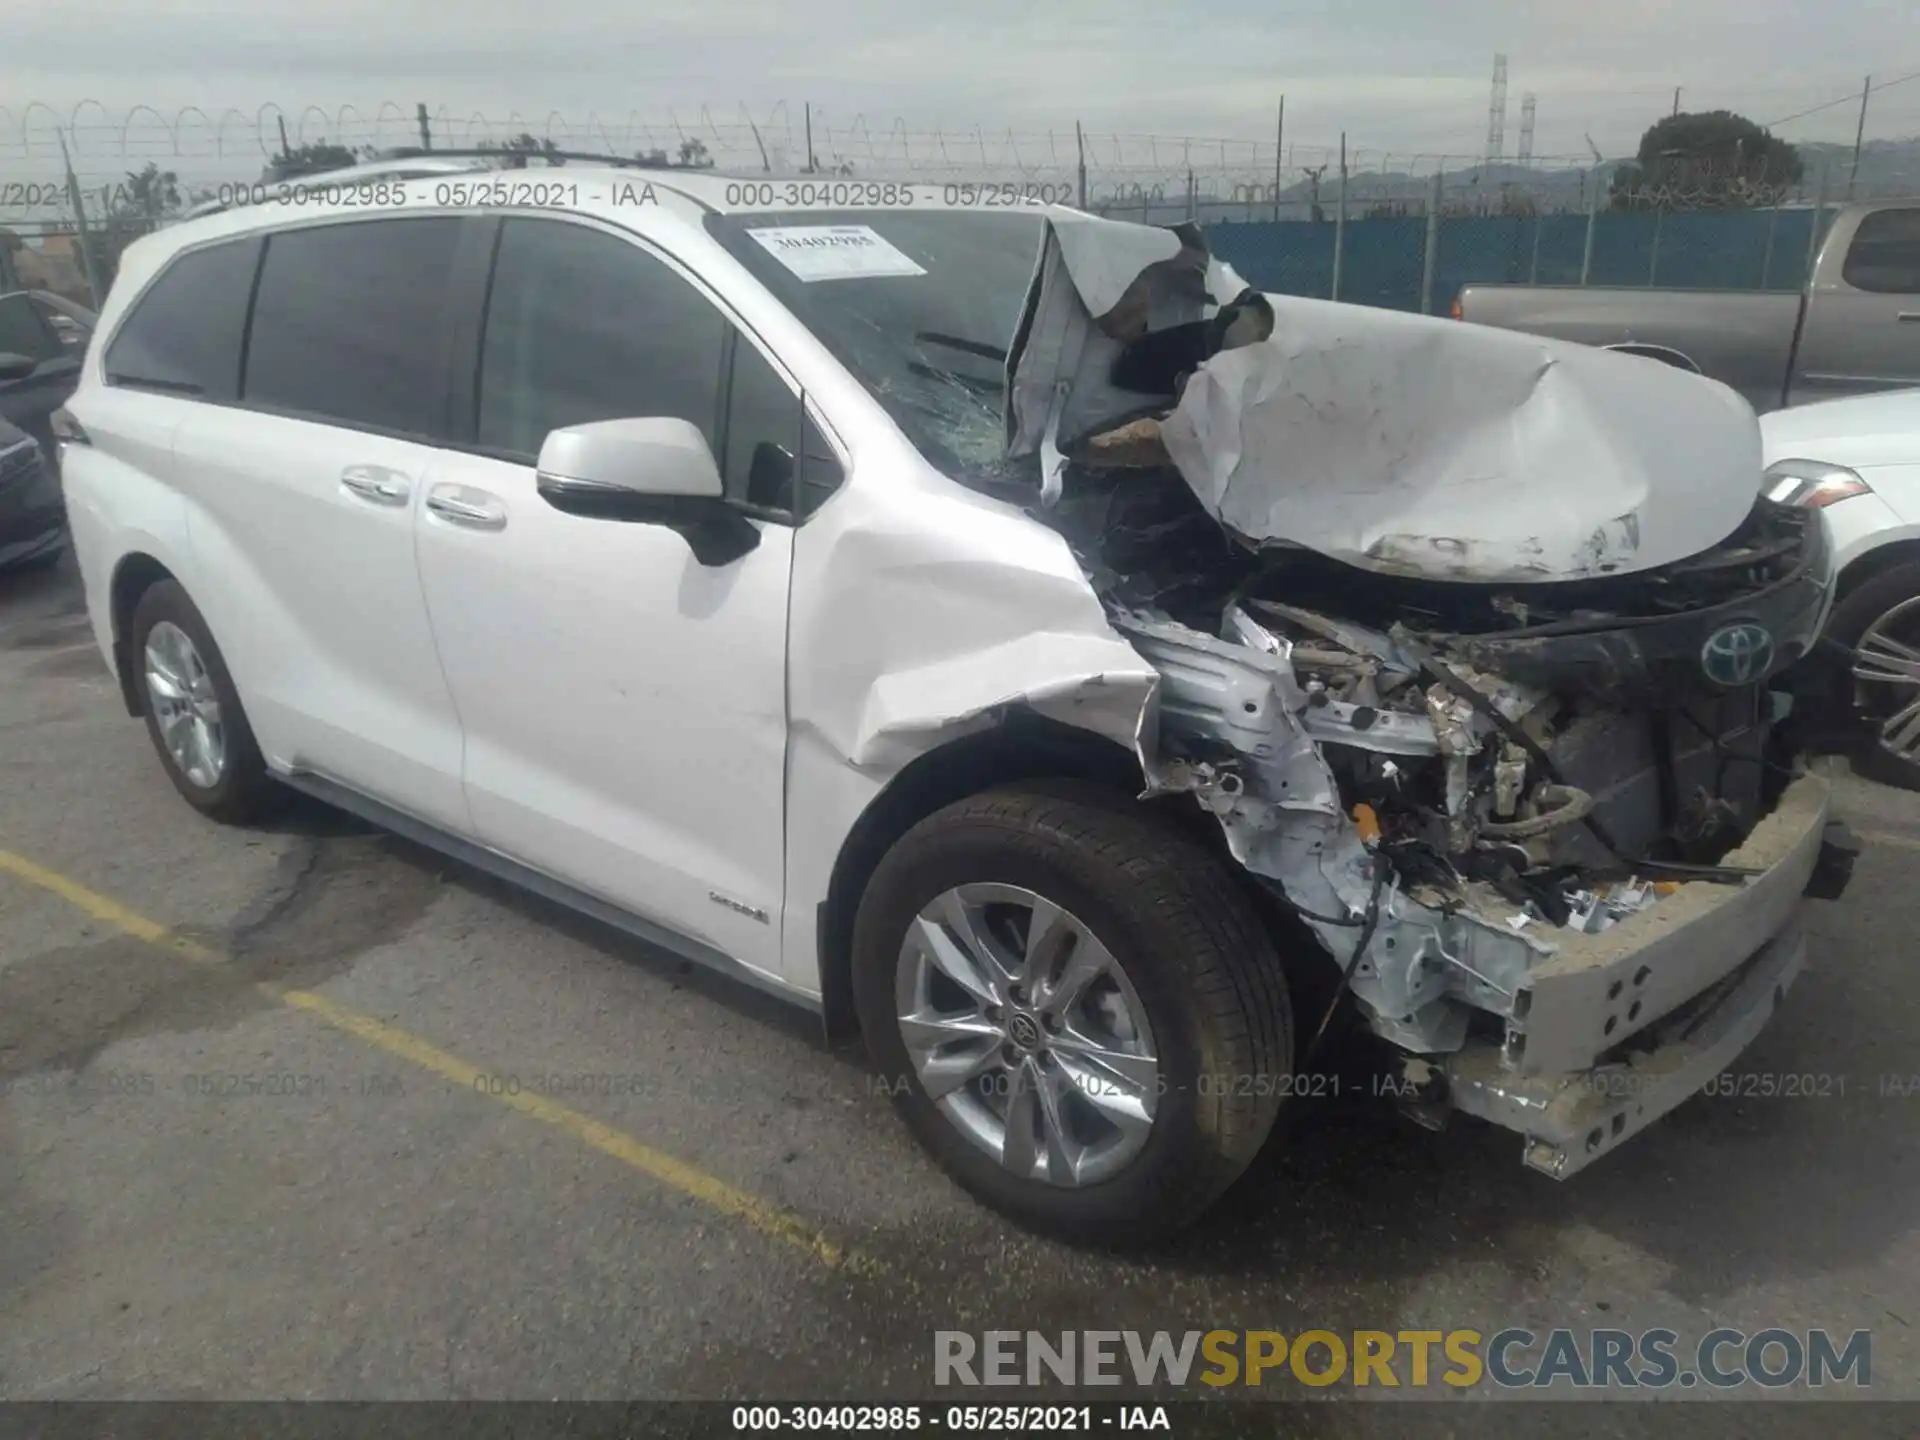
(919, 305)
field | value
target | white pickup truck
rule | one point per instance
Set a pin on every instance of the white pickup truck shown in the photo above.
(1855, 328)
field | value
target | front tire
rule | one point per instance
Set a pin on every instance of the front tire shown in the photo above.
(1076, 1010)
(1879, 625)
(193, 712)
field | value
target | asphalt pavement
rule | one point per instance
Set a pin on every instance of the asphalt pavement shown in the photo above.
(308, 1112)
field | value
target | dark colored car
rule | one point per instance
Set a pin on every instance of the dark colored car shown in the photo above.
(33, 515)
(53, 334)
(42, 340)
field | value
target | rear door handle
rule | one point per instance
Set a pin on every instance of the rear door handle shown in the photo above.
(1909, 315)
(463, 505)
(376, 483)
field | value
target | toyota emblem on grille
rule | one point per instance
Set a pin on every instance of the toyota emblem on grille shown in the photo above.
(1737, 654)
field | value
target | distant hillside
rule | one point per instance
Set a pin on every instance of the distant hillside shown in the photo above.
(1888, 169)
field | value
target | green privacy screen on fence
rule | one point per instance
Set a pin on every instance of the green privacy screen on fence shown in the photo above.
(1383, 259)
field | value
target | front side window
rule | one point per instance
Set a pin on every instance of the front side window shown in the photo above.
(183, 335)
(22, 331)
(583, 326)
(350, 324)
(1885, 254)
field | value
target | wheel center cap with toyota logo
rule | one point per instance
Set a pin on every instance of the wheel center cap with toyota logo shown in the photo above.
(1023, 1030)
(1737, 654)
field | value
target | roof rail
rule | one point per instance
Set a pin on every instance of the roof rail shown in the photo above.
(409, 163)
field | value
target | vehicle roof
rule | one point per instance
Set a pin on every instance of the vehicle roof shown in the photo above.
(588, 188)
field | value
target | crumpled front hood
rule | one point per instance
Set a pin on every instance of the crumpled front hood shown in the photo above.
(1393, 442)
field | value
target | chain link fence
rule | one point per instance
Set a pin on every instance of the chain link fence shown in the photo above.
(1402, 229)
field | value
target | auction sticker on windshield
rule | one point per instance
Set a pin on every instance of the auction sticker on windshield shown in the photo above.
(834, 252)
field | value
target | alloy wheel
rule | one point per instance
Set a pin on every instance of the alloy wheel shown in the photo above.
(1886, 671)
(1027, 1034)
(185, 705)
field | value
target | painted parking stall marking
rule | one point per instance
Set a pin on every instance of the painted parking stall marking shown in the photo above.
(759, 1214)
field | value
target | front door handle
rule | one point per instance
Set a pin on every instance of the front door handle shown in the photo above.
(1909, 315)
(463, 505)
(376, 483)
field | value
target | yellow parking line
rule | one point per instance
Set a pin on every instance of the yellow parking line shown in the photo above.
(676, 1174)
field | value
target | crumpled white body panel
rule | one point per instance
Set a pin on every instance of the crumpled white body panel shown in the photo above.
(1400, 443)
(1427, 447)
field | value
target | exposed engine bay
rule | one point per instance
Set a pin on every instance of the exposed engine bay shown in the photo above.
(1445, 756)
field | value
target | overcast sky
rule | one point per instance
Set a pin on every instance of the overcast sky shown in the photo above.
(1399, 75)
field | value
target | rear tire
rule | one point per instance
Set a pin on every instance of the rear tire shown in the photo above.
(193, 713)
(1195, 966)
(1869, 705)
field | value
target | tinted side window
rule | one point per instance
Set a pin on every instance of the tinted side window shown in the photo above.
(349, 324)
(820, 472)
(763, 439)
(1885, 254)
(583, 326)
(184, 333)
(22, 332)
(775, 457)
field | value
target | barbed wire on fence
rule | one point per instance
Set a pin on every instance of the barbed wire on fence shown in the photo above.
(142, 167)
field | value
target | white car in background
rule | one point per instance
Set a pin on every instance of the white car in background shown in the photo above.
(1858, 462)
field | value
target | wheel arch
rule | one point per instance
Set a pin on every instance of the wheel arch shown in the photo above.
(136, 573)
(1023, 746)
(1875, 562)
(1665, 354)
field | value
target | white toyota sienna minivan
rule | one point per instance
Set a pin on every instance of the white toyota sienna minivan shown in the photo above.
(994, 627)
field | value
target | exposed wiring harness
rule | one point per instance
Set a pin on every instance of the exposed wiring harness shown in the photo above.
(1368, 923)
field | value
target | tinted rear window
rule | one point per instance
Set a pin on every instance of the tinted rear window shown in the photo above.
(349, 324)
(1885, 254)
(183, 335)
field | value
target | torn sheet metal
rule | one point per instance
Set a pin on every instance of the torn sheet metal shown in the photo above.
(914, 633)
(1233, 734)
(1074, 678)
(1099, 285)
(1393, 442)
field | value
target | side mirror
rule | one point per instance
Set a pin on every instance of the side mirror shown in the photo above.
(651, 471)
(16, 367)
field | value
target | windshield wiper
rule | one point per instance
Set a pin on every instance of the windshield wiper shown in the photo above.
(978, 384)
(955, 342)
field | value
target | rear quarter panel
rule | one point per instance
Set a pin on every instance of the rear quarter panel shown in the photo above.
(119, 501)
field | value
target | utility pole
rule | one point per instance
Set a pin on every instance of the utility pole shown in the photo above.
(1676, 99)
(809, 105)
(1080, 142)
(1859, 135)
(1431, 252)
(426, 134)
(286, 150)
(80, 225)
(1340, 219)
(1279, 139)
